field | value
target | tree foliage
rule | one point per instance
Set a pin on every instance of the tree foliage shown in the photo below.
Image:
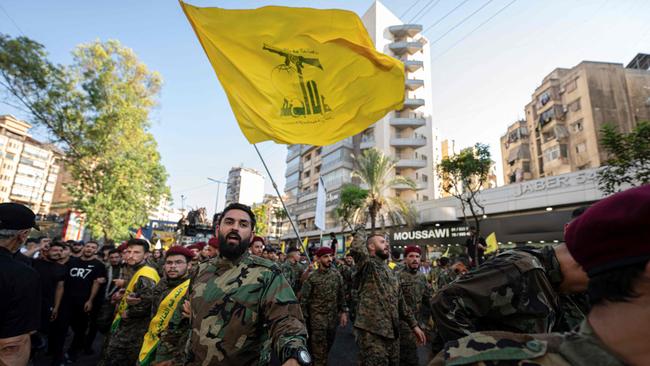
(97, 110)
(628, 157)
(261, 212)
(463, 175)
(351, 203)
(374, 170)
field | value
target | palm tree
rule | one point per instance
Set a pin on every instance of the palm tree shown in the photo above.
(374, 170)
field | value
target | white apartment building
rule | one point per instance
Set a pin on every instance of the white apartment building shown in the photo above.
(245, 186)
(28, 168)
(407, 135)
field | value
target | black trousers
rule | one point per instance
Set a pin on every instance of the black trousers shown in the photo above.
(79, 320)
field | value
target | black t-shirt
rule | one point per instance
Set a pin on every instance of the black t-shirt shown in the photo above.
(471, 250)
(79, 278)
(51, 274)
(20, 294)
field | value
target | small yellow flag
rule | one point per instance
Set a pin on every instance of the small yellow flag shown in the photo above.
(491, 242)
(298, 75)
(304, 245)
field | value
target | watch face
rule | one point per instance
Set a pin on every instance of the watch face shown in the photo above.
(304, 356)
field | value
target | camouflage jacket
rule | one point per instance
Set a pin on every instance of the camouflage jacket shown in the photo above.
(381, 303)
(292, 272)
(239, 310)
(348, 272)
(445, 277)
(515, 292)
(417, 294)
(144, 290)
(323, 298)
(580, 348)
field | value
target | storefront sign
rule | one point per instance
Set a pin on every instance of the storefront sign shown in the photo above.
(430, 235)
(552, 183)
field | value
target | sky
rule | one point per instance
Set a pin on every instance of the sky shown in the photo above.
(488, 56)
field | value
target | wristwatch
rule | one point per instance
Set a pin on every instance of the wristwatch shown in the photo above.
(302, 356)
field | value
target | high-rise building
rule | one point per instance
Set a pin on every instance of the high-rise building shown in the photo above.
(245, 186)
(28, 168)
(274, 218)
(561, 132)
(406, 135)
(448, 150)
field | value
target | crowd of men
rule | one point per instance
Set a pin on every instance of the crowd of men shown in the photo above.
(237, 301)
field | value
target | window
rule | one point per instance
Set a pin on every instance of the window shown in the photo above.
(571, 86)
(574, 106)
(576, 126)
(581, 148)
(9, 156)
(555, 152)
(544, 98)
(425, 198)
(425, 178)
(526, 166)
(546, 117)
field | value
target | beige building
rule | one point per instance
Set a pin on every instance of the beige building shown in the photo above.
(448, 150)
(561, 131)
(28, 169)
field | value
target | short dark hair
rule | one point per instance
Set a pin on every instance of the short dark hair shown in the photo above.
(113, 251)
(72, 242)
(32, 240)
(141, 242)
(372, 236)
(242, 207)
(615, 285)
(92, 242)
(58, 243)
(443, 261)
(395, 253)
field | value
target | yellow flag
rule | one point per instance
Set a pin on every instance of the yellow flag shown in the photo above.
(446, 253)
(298, 75)
(282, 247)
(491, 242)
(304, 245)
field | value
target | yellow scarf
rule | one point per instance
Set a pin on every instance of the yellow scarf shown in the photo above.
(145, 271)
(160, 321)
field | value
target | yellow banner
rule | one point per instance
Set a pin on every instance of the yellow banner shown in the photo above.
(298, 75)
(492, 245)
(145, 271)
(160, 321)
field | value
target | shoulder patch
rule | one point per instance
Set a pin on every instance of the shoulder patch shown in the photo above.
(493, 346)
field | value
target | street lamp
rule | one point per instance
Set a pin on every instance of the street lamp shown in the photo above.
(219, 183)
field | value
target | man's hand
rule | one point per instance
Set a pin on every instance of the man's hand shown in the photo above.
(187, 309)
(119, 283)
(88, 306)
(54, 315)
(291, 362)
(343, 320)
(419, 334)
(133, 299)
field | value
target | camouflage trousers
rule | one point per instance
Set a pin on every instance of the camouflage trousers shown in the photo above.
(124, 344)
(408, 348)
(375, 350)
(320, 344)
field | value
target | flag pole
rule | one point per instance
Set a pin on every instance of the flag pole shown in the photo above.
(275, 186)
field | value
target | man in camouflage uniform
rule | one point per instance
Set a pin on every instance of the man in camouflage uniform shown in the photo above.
(611, 241)
(518, 291)
(348, 271)
(177, 263)
(323, 306)
(123, 346)
(240, 306)
(381, 303)
(417, 295)
(293, 269)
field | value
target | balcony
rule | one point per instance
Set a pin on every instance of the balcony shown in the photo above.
(412, 65)
(419, 185)
(405, 30)
(402, 47)
(411, 163)
(413, 103)
(367, 143)
(412, 84)
(413, 141)
(413, 122)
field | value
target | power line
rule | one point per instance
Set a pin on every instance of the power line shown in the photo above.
(461, 22)
(445, 16)
(12, 21)
(409, 9)
(474, 30)
(424, 7)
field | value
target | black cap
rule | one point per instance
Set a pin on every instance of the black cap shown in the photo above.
(14, 216)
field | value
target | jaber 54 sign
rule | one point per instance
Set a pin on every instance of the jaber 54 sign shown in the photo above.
(430, 234)
(551, 183)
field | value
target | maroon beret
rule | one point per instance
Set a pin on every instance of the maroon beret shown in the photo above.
(122, 247)
(324, 251)
(258, 238)
(179, 250)
(613, 233)
(214, 242)
(200, 245)
(411, 249)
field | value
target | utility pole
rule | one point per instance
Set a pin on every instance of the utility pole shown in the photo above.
(219, 183)
(183, 203)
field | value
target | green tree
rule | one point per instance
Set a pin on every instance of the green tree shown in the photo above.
(97, 110)
(350, 207)
(261, 212)
(628, 157)
(375, 170)
(463, 175)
